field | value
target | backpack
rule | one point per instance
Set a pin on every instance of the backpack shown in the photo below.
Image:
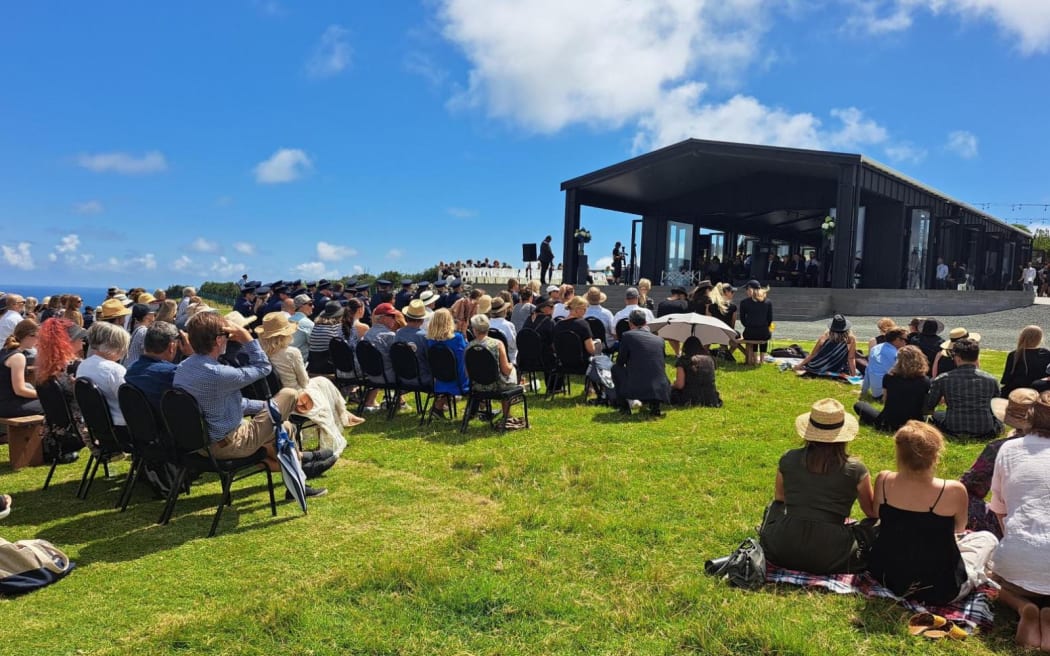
(793, 351)
(599, 376)
(30, 564)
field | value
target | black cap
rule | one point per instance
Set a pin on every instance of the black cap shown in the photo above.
(323, 284)
(679, 290)
(263, 290)
(383, 282)
(754, 284)
(280, 289)
(407, 283)
(322, 281)
(440, 283)
(351, 283)
(422, 284)
(363, 287)
(311, 283)
(301, 290)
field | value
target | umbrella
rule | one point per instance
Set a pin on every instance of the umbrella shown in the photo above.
(680, 327)
(291, 466)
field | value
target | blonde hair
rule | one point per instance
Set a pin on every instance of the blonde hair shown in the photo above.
(719, 298)
(167, 311)
(759, 294)
(919, 446)
(441, 327)
(576, 302)
(1031, 337)
(273, 344)
(534, 285)
(884, 324)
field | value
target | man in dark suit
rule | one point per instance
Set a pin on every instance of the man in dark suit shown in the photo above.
(546, 259)
(639, 374)
(402, 298)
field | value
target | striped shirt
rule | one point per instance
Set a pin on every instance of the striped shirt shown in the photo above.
(217, 388)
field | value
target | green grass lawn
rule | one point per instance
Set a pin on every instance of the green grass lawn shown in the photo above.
(584, 535)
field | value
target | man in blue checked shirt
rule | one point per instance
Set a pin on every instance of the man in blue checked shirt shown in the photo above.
(217, 389)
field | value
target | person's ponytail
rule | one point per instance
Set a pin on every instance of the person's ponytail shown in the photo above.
(10, 343)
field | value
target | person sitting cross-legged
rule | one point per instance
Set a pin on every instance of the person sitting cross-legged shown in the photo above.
(967, 392)
(694, 382)
(904, 389)
(881, 359)
(217, 390)
(638, 374)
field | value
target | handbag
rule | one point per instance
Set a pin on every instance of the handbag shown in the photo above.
(30, 564)
(744, 568)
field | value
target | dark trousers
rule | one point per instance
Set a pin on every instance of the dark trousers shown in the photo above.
(545, 273)
(866, 413)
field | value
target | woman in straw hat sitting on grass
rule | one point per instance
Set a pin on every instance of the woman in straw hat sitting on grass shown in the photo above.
(319, 399)
(816, 486)
(921, 552)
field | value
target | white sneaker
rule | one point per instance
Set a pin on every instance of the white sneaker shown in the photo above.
(635, 404)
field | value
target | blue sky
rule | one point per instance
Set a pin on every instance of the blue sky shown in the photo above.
(147, 143)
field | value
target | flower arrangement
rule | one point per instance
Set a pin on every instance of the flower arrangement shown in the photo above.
(583, 235)
(828, 227)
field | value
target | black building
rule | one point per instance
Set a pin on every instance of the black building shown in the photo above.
(701, 199)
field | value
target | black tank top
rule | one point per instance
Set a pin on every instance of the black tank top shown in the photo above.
(916, 555)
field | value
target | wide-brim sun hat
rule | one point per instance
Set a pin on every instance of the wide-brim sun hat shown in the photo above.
(595, 296)
(276, 324)
(415, 310)
(238, 319)
(1015, 410)
(928, 328)
(112, 308)
(959, 333)
(1040, 415)
(827, 421)
(332, 309)
(429, 297)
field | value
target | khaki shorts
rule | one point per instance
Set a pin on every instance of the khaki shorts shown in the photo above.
(257, 432)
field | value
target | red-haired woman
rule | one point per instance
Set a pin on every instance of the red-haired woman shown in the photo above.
(56, 357)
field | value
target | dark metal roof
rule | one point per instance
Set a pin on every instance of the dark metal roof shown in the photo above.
(751, 187)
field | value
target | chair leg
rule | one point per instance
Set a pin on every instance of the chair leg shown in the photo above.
(50, 473)
(269, 485)
(466, 414)
(105, 468)
(137, 464)
(83, 478)
(424, 415)
(227, 480)
(525, 409)
(91, 477)
(173, 495)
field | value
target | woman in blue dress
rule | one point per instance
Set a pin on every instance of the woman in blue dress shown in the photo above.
(442, 333)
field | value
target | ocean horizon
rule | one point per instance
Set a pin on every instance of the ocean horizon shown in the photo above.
(92, 296)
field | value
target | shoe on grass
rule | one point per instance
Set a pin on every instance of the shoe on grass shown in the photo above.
(311, 492)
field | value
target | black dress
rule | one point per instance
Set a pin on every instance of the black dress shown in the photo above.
(756, 317)
(12, 405)
(699, 386)
(916, 555)
(905, 397)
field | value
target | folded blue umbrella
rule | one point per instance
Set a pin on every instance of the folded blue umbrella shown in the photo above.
(291, 466)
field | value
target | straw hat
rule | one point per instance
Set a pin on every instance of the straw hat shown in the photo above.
(415, 310)
(499, 308)
(1040, 415)
(959, 333)
(145, 298)
(112, 308)
(595, 296)
(1014, 411)
(826, 421)
(429, 298)
(484, 304)
(238, 319)
(275, 324)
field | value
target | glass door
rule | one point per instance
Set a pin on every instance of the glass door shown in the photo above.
(679, 247)
(916, 254)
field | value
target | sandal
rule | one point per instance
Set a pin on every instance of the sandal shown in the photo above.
(950, 630)
(5, 505)
(920, 623)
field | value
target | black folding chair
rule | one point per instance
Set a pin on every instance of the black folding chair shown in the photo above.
(60, 422)
(572, 359)
(145, 431)
(495, 333)
(444, 369)
(622, 326)
(530, 357)
(374, 369)
(103, 434)
(347, 372)
(483, 369)
(188, 432)
(407, 375)
(597, 329)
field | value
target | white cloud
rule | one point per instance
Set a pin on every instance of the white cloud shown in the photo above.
(69, 244)
(244, 248)
(151, 162)
(546, 64)
(682, 115)
(1027, 21)
(224, 267)
(602, 262)
(395, 254)
(88, 207)
(905, 152)
(182, 263)
(963, 143)
(202, 245)
(331, 56)
(20, 256)
(358, 269)
(315, 270)
(147, 262)
(333, 252)
(285, 165)
(461, 212)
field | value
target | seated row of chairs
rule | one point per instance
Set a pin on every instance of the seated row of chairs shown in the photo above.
(181, 439)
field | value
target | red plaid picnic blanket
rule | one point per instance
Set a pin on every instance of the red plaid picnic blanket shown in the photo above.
(975, 610)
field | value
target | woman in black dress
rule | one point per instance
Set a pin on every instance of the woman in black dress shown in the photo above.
(17, 397)
(694, 382)
(756, 314)
(904, 391)
(1027, 363)
(617, 263)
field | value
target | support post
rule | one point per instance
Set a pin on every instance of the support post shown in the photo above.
(847, 202)
(570, 259)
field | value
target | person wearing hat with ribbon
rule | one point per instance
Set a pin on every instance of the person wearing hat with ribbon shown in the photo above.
(1020, 500)
(835, 351)
(1014, 411)
(595, 297)
(943, 362)
(805, 526)
(967, 392)
(414, 334)
(917, 553)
